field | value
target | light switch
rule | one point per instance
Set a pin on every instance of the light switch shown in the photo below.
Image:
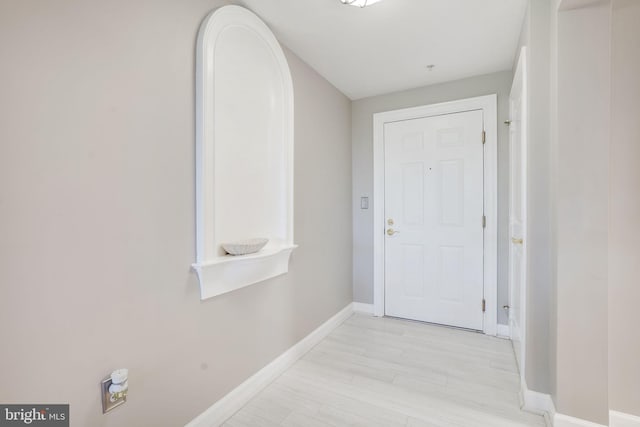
(364, 203)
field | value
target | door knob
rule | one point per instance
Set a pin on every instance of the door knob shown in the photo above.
(517, 241)
(391, 231)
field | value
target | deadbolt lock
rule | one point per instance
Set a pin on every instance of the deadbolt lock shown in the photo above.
(390, 221)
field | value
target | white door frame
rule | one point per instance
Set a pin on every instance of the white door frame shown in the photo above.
(488, 104)
(520, 85)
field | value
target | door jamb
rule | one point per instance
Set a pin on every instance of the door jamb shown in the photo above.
(488, 104)
(520, 81)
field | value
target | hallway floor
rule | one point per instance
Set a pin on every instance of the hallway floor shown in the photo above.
(389, 372)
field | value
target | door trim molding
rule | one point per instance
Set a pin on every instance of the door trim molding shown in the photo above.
(520, 84)
(503, 331)
(488, 104)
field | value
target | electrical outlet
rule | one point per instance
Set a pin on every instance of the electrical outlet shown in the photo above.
(107, 403)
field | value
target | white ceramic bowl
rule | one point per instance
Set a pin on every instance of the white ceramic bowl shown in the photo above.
(244, 247)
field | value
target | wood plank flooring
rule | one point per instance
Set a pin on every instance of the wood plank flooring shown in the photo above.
(385, 372)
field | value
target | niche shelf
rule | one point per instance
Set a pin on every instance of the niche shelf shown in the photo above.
(244, 151)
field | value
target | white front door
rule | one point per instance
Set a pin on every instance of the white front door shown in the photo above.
(434, 219)
(517, 210)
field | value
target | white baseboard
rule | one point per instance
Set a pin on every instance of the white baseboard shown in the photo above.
(537, 403)
(616, 419)
(360, 307)
(620, 419)
(561, 420)
(540, 403)
(224, 408)
(503, 331)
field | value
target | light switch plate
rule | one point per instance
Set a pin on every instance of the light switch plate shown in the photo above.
(364, 203)
(107, 404)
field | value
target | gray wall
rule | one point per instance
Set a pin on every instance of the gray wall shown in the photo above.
(624, 210)
(582, 187)
(362, 116)
(97, 200)
(583, 346)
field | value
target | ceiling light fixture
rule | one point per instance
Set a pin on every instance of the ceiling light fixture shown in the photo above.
(359, 3)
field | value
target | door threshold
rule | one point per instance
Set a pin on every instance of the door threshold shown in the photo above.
(435, 324)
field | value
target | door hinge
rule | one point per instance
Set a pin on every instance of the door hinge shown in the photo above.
(484, 221)
(484, 306)
(484, 137)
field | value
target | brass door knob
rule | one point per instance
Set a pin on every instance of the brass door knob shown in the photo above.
(517, 241)
(391, 231)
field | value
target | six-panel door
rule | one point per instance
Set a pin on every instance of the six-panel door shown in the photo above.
(433, 217)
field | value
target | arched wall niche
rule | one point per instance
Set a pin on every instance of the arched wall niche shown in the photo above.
(244, 151)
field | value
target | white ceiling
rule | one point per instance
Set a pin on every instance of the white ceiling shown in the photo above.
(387, 46)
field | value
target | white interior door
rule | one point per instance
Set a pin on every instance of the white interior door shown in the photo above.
(434, 216)
(518, 212)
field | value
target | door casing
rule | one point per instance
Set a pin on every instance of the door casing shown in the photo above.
(519, 337)
(488, 104)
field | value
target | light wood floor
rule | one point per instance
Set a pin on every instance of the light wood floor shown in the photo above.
(388, 372)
